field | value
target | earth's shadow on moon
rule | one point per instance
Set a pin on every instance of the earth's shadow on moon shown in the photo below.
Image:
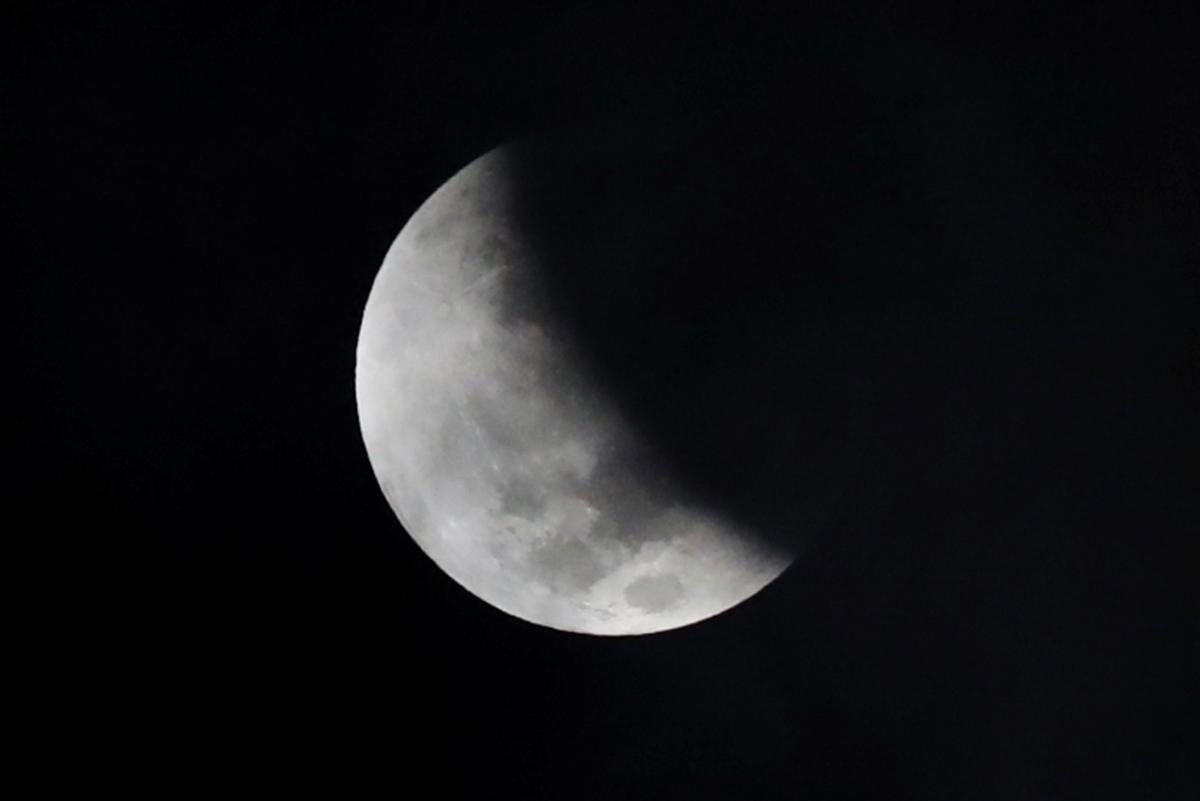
(691, 264)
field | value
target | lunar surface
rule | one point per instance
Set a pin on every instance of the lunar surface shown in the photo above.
(505, 458)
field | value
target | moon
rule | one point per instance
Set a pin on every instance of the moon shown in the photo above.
(506, 458)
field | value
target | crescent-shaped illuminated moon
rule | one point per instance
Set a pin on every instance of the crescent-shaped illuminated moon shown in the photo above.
(506, 459)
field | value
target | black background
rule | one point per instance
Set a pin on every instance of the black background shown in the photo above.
(960, 260)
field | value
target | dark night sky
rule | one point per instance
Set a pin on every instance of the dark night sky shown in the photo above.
(930, 280)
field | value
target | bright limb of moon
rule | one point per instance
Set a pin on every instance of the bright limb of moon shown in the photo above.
(505, 459)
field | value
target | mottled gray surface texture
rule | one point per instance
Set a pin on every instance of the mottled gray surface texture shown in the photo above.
(504, 459)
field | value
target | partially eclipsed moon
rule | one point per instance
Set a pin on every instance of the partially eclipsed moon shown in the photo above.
(507, 462)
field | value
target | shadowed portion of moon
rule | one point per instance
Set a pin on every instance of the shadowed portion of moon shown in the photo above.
(693, 263)
(509, 453)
